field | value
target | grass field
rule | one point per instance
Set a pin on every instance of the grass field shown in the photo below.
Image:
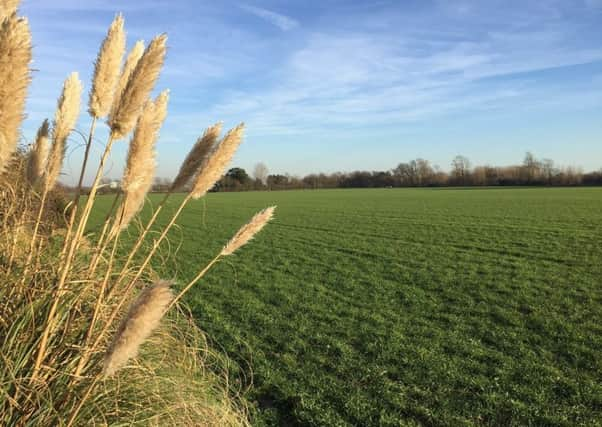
(406, 307)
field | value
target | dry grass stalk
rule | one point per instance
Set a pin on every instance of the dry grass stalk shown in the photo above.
(210, 171)
(8, 8)
(241, 238)
(138, 88)
(15, 56)
(197, 154)
(64, 121)
(65, 118)
(141, 163)
(189, 168)
(46, 315)
(142, 319)
(128, 67)
(248, 231)
(106, 69)
(38, 156)
(214, 165)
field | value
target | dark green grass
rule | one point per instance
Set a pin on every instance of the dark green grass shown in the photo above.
(406, 307)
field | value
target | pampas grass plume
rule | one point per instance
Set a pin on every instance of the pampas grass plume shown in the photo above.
(15, 56)
(8, 8)
(197, 154)
(142, 319)
(130, 63)
(214, 165)
(65, 118)
(139, 86)
(38, 156)
(107, 69)
(248, 231)
(141, 163)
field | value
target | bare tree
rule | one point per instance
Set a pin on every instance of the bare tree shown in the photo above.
(424, 171)
(531, 167)
(461, 169)
(548, 170)
(260, 173)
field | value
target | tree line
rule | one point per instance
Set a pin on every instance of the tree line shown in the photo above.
(415, 173)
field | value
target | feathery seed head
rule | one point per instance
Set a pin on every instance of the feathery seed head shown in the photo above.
(15, 56)
(141, 164)
(129, 65)
(38, 156)
(106, 69)
(248, 231)
(215, 163)
(65, 118)
(8, 8)
(160, 103)
(142, 319)
(139, 86)
(191, 164)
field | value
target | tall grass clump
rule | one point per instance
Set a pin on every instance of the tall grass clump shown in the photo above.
(89, 336)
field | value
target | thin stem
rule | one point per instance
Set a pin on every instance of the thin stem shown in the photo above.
(193, 281)
(15, 240)
(160, 239)
(97, 306)
(34, 236)
(102, 244)
(131, 284)
(78, 189)
(67, 263)
(144, 233)
(81, 403)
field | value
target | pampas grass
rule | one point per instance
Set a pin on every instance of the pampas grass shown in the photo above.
(142, 319)
(243, 236)
(140, 168)
(15, 57)
(66, 115)
(199, 152)
(58, 310)
(38, 157)
(139, 85)
(107, 69)
(128, 67)
(248, 231)
(7, 8)
(214, 165)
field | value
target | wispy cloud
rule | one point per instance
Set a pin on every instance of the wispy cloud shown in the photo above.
(351, 72)
(283, 22)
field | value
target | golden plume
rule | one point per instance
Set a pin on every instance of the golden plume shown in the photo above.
(65, 118)
(215, 163)
(248, 231)
(8, 8)
(38, 157)
(197, 154)
(15, 56)
(138, 88)
(141, 163)
(129, 65)
(106, 69)
(142, 319)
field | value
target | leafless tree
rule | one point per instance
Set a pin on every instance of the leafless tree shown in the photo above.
(460, 169)
(548, 170)
(260, 172)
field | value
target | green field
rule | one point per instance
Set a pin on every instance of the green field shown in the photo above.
(405, 306)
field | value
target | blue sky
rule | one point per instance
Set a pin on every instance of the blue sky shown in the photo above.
(343, 85)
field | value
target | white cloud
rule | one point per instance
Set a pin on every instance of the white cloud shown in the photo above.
(283, 22)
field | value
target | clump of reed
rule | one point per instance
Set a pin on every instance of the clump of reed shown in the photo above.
(88, 336)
